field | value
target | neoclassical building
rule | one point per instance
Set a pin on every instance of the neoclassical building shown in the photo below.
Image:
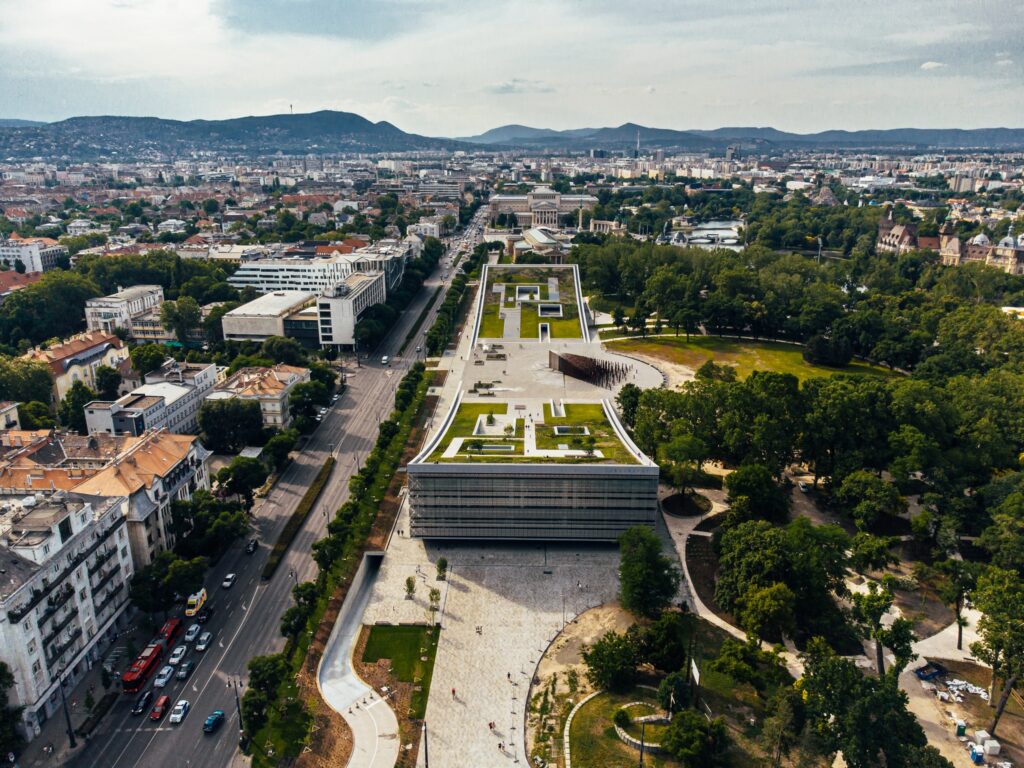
(1006, 255)
(543, 207)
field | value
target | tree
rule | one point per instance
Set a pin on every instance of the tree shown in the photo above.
(146, 358)
(10, 739)
(279, 447)
(72, 407)
(230, 425)
(442, 568)
(769, 610)
(674, 691)
(435, 602)
(24, 380)
(777, 732)
(294, 620)
(870, 552)
(648, 580)
(628, 400)
(868, 498)
(243, 476)
(306, 398)
(181, 316)
(35, 415)
(283, 350)
(695, 741)
(868, 609)
(960, 579)
(899, 638)
(107, 382)
(1000, 598)
(619, 317)
(755, 482)
(410, 587)
(611, 662)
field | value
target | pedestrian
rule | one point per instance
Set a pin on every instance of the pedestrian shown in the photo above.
(508, 676)
(453, 693)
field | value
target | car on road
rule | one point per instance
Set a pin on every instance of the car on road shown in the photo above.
(804, 487)
(252, 546)
(334, 398)
(142, 702)
(204, 642)
(177, 655)
(163, 677)
(204, 615)
(229, 580)
(185, 670)
(160, 708)
(192, 633)
(180, 710)
(214, 721)
(385, 360)
(418, 348)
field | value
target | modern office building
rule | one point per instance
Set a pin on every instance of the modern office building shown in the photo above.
(265, 317)
(66, 570)
(340, 308)
(528, 470)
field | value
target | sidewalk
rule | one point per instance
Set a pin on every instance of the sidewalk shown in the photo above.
(53, 734)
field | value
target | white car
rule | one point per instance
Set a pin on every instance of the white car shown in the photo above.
(180, 710)
(204, 642)
(192, 633)
(163, 677)
(229, 580)
(177, 655)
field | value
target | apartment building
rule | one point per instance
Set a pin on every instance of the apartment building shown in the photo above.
(270, 387)
(35, 254)
(66, 569)
(77, 358)
(340, 308)
(120, 309)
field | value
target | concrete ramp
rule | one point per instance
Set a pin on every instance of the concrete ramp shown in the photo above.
(374, 726)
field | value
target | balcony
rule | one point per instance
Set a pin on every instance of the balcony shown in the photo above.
(111, 573)
(52, 634)
(60, 650)
(101, 559)
(59, 598)
(115, 593)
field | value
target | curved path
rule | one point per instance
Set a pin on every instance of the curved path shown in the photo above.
(374, 726)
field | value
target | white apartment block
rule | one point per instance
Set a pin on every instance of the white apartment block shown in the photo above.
(310, 275)
(66, 568)
(118, 310)
(340, 308)
(37, 254)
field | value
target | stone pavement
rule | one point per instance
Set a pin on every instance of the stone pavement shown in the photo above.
(500, 607)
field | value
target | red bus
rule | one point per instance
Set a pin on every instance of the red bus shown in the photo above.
(134, 680)
(169, 632)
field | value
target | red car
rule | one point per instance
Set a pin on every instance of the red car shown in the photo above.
(160, 708)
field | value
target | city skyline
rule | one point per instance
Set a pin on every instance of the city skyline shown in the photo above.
(456, 70)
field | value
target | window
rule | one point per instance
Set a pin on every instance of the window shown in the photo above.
(32, 646)
(36, 666)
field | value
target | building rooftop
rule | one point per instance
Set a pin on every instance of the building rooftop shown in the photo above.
(61, 356)
(130, 294)
(257, 382)
(170, 392)
(153, 455)
(276, 304)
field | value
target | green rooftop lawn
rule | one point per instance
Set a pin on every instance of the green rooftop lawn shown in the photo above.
(746, 356)
(492, 326)
(464, 422)
(590, 415)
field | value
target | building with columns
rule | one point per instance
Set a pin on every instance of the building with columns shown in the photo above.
(542, 207)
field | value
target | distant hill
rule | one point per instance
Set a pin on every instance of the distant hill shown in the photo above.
(109, 136)
(624, 136)
(11, 122)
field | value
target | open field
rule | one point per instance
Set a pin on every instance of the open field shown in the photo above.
(745, 356)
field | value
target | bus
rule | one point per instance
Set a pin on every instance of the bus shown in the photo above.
(134, 680)
(169, 632)
(196, 602)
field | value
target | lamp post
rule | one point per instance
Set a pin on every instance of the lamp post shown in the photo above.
(643, 729)
(426, 751)
(236, 686)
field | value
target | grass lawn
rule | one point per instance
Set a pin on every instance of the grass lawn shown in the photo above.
(465, 420)
(529, 323)
(593, 740)
(590, 415)
(411, 650)
(290, 734)
(745, 356)
(492, 326)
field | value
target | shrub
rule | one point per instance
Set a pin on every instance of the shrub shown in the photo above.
(622, 718)
(291, 528)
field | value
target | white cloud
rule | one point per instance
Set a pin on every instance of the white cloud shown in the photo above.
(929, 65)
(519, 85)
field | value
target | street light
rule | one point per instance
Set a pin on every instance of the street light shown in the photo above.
(236, 686)
(67, 714)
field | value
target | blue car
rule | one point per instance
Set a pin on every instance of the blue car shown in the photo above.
(214, 721)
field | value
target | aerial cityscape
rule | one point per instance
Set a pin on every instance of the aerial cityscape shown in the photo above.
(565, 385)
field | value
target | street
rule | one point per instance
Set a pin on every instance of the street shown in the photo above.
(246, 617)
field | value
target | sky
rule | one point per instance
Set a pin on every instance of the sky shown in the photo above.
(457, 68)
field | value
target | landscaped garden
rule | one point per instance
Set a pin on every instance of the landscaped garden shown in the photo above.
(527, 289)
(744, 356)
(410, 651)
(593, 738)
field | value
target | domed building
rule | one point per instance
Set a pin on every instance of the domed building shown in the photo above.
(1007, 256)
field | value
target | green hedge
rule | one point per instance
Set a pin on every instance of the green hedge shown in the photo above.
(291, 528)
(101, 709)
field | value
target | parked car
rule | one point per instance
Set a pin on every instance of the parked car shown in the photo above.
(214, 721)
(185, 670)
(142, 702)
(204, 641)
(177, 655)
(385, 360)
(192, 633)
(179, 711)
(229, 580)
(204, 615)
(160, 708)
(252, 546)
(163, 677)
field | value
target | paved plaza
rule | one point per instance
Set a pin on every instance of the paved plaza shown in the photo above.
(500, 607)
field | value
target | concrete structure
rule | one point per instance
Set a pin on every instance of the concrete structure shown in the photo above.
(118, 310)
(265, 317)
(131, 414)
(66, 571)
(77, 358)
(340, 308)
(292, 275)
(36, 254)
(152, 472)
(9, 415)
(270, 387)
(543, 207)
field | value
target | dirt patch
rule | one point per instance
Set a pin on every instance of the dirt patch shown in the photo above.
(675, 374)
(922, 605)
(702, 563)
(977, 713)
(438, 377)
(378, 676)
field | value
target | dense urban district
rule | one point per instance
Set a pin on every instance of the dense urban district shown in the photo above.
(486, 454)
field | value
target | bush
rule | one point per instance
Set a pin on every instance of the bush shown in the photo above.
(291, 528)
(622, 718)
